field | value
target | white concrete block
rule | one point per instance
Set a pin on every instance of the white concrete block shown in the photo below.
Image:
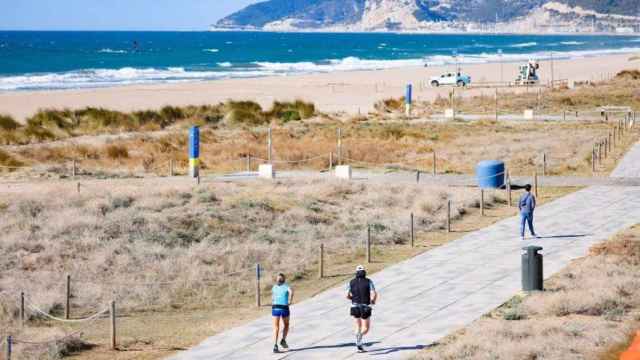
(448, 113)
(571, 84)
(266, 171)
(343, 172)
(528, 114)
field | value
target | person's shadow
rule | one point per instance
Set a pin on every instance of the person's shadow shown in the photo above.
(389, 350)
(336, 346)
(563, 236)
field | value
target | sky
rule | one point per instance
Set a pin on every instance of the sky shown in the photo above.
(115, 14)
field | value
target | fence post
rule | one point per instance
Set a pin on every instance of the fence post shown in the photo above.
(368, 244)
(413, 236)
(321, 262)
(609, 141)
(544, 164)
(22, 308)
(330, 160)
(496, 104)
(113, 325)
(171, 168)
(269, 145)
(593, 159)
(434, 164)
(74, 169)
(9, 345)
(248, 163)
(78, 187)
(67, 309)
(564, 115)
(509, 198)
(606, 148)
(448, 216)
(418, 177)
(482, 202)
(198, 179)
(258, 303)
(339, 146)
(535, 183)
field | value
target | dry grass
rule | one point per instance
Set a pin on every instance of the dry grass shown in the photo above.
(587, 312)
(115, 238)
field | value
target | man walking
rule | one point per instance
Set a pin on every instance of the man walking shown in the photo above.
(362, 294)
(527, 205)
(281, 298)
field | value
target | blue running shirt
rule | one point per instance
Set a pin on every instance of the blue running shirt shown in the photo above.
(280, 294)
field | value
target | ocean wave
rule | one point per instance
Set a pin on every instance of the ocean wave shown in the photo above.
(111, 51)
(211, 50)
(524, 45)
(572, 43)
(93, 78)
(225, 64)
(346, 64)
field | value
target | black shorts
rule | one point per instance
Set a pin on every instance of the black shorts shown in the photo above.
(361, 311)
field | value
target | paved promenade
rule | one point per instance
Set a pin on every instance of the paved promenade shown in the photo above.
(427, 297)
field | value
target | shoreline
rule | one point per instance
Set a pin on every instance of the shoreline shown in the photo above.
(354, 91)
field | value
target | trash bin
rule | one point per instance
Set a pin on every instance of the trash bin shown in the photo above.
(532, 274)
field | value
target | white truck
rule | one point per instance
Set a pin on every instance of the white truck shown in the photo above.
(452, 79)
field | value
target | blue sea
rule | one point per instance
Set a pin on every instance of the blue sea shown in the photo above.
(64, 60)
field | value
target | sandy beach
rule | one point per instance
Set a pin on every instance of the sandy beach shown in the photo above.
(352, 92)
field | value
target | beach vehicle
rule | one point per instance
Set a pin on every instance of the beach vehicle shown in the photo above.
(528, 73)
(454, 79)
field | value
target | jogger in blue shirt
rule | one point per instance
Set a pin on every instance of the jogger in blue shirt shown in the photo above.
(281, 298)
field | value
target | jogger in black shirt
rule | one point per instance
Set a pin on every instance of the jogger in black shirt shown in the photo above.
(362, 294)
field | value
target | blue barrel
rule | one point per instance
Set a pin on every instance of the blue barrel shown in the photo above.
(490, 174)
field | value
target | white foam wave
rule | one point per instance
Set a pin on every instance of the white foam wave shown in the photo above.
(524, 45)
(346, 64)
(572, 43)
(111, 51)
(224, 64)
(112, 77)
(211, 50)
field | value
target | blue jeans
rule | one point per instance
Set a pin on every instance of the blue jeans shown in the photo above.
(526, 218)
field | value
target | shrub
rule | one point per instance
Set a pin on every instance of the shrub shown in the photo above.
(97, 118)
(34, 132)
(389, 105)
(8, 160)
(117, 152)
(52, 119)
(7, 123)
(171, 114)
(291, 111)
(629, 74)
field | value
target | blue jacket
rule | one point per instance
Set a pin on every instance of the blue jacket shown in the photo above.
(527, 203)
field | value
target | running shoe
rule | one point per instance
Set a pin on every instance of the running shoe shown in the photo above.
(275, 349)
(360, 349)
(284, 344)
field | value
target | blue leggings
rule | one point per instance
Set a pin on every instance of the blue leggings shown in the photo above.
(526, 219)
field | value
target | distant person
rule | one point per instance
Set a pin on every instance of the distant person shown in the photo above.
(281, 298)
(527, 206)
(362, 294)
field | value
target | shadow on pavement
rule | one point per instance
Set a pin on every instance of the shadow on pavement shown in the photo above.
(563, 236)
(389, 350)
(336, 346)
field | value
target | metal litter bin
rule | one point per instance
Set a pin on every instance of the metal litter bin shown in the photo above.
(532, 274)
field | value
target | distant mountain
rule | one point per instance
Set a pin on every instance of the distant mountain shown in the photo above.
(436, 15)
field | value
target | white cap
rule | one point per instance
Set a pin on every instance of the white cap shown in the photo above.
(360, 268)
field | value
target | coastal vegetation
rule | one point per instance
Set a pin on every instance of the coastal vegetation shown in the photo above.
(585, 310)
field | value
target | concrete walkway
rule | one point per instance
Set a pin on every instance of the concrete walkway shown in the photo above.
(427, 297)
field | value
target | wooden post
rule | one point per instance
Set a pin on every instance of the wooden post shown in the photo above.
(368, 243)
(418, 177)
(67, 309)
(74, 169)
(9, 345)
(171, 168)
(269, 145)
(544, 164)
(321, 262)
(564, 115)
(606, 147)
(198, 179)
(600, 153)
(113, 325)
(615, 137)
(413, 236)
(496, 104)
(535, 183)
(78, 187)
(248, 163)
(509, 197)
(330, 161)
(593, 159)
(434, 164)
(339, 146)
(258, 303)
(449, 216)
(609, 141)
(22, 308)
(482, 202)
